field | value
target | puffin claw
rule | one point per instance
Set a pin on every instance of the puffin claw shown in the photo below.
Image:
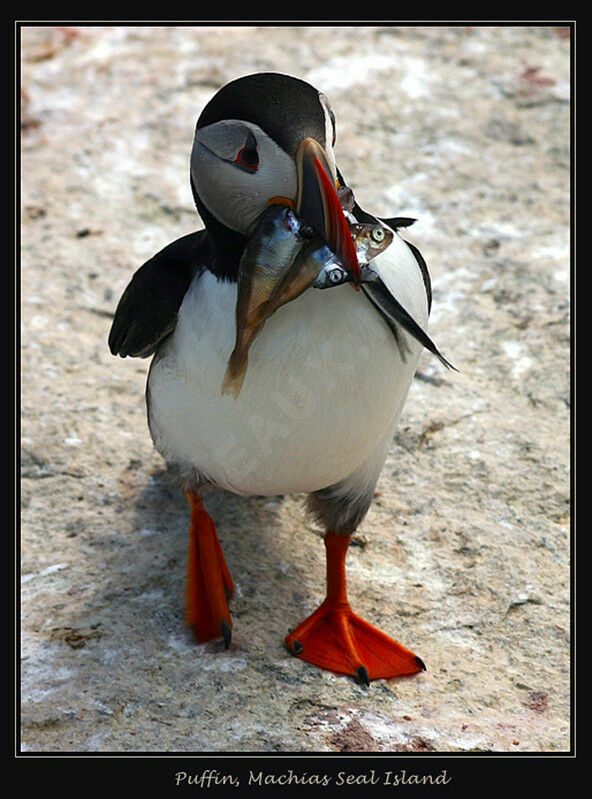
(297, 648)
(226, 633)
(362, 674)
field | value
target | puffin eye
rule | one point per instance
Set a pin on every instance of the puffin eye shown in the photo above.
(248, 157)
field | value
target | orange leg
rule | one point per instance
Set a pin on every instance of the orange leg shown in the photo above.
(209, 584)
(334, 638)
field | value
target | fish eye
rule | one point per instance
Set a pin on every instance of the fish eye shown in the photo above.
(378, 234)
(335, 275)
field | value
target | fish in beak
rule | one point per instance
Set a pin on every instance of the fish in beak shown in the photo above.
(317, 203)
(279, 263)
(317, 265)
(270, 251)
(272, 271)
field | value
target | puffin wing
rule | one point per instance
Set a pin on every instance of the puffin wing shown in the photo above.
(381, 292)
(394, 314)
(147, 310)
(397, 222)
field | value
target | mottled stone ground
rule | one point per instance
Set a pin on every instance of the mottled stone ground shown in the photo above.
(465, 554)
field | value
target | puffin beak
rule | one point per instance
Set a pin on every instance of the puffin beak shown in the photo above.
(317, 204)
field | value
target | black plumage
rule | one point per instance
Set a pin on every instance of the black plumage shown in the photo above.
(147, 310)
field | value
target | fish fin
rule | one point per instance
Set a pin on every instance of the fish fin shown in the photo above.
(233, 380)
(236, 369)
(394, 313)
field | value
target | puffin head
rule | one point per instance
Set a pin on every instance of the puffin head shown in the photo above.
(268, 138)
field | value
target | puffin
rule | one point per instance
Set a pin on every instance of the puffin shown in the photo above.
(328, 375)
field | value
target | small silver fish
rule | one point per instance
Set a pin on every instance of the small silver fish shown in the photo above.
(280, 262)
(271, 248)
(333, 274)
(317, 265)
(370, 240)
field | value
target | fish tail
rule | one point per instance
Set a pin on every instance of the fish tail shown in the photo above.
(234, 376)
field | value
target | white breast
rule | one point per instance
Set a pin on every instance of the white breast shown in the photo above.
(325, 382)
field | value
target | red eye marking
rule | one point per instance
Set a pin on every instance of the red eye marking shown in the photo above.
(247, 156)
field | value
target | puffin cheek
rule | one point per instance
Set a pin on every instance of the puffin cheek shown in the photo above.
(245, 207)
(232, 202)
(250, 198)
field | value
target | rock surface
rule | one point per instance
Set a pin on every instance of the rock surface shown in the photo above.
(465, 553)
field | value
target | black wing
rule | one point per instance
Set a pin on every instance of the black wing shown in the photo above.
(399, 221)
(147, 310)
(394, 314)
(395, 223)
(391, 310)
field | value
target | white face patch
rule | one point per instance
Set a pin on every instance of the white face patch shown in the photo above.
(234, 195)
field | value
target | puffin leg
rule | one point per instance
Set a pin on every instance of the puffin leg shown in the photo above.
(209, 585)
(335, 638)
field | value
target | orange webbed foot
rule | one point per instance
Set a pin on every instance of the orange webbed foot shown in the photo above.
(336, 639)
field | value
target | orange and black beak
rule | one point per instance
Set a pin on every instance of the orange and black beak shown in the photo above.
(317, 204)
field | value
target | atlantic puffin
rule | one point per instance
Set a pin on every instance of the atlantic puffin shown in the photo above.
(327, 377)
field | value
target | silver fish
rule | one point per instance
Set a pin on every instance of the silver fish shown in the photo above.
(317, 265)
(370, 240)
(271, 248)
(333, 274)
(280, 262)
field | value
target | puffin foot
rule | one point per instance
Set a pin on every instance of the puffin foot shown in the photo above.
(209, 585)
(336, 639)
